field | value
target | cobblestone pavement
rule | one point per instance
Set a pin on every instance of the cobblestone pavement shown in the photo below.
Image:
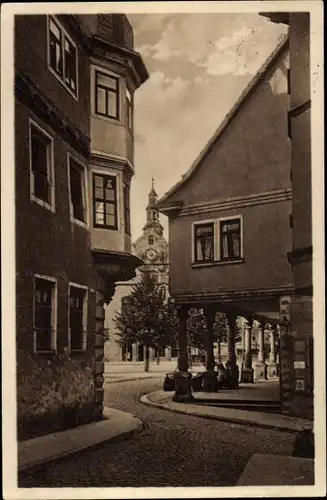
(172, 450)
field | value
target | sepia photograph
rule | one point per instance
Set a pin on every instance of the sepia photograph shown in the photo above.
(163, 249)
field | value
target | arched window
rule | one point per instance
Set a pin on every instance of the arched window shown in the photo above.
(150, 239)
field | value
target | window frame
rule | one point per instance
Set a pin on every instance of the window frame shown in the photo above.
(85, 223)
(50, 167)
(219, 222)
(111, 175)
(64, 35)
(217, 260)
(54, 313)
(129, 104)
(116, 92)
(195, 225)
(127, 208)
(85, 317)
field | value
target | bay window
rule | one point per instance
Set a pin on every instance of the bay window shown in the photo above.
(106, 95)
(129, 110)
(127, 210)
(105, 201)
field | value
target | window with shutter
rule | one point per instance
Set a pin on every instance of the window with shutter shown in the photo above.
(41, 165)
(77, 190)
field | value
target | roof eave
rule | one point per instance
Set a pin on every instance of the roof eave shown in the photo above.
(277, 17)
(169, 209)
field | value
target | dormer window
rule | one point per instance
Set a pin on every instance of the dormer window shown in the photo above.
(62, 56)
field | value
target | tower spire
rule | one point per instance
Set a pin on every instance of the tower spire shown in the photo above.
(152, 213)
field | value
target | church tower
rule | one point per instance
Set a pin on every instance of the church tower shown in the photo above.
(151, 247)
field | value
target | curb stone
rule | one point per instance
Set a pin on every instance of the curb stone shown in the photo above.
(128, 379)
(144, 399)
(41, 465)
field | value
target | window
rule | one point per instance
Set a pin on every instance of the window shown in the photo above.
(62, 56)
(204, 242)
(77, 318)
(41, 166)
(77, 190)
(70, 65)
(129, 110)
(106, 95)
(44, 315)
(104, 201)
(127, 210)
(230, 239)
(150, 239)
(55, 49)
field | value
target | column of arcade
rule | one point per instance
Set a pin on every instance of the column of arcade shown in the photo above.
(260, 370)
(183, 378)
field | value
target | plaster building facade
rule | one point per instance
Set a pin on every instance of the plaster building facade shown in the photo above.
(75, 77)
(153, 250)
(297, 366)
(229, 223)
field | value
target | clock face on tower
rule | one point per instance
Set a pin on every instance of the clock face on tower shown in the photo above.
(151, 254)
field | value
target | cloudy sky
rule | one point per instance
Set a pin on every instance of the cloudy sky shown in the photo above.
(199, 64)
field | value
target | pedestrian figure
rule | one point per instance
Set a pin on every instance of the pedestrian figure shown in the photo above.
(128, 356)
(228, 374)
(221, 375)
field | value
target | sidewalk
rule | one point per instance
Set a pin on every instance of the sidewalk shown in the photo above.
(277, 470)
(162, 399)
(38, 452)
(128, 371)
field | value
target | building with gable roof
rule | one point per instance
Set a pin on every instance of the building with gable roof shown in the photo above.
(230, 222)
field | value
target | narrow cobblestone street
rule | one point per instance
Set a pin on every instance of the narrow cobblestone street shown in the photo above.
(173, 449)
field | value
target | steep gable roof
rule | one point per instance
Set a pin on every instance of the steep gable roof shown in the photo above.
(270, 61)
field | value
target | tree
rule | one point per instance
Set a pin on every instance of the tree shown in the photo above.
(196, 328)
(145, 317)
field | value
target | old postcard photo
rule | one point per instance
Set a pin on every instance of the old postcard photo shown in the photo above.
(163, 250)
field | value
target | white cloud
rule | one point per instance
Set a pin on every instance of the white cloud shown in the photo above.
(231, 54)
(243, 52)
